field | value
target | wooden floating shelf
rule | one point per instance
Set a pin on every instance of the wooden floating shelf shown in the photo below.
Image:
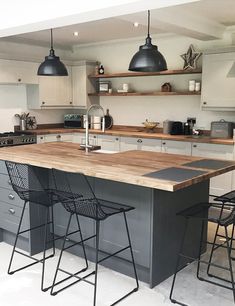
(158, 93)
(139, 74)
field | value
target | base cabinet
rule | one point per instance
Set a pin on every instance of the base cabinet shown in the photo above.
(130, 143)
(176, 147)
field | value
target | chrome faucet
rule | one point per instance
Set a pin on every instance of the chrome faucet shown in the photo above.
(87, 146)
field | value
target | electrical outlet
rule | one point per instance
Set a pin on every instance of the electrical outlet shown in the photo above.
(191, 119)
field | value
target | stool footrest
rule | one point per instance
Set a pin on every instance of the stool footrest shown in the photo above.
(33, 228)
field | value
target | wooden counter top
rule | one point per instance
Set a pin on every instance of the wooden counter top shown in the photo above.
(127, 167)
(138, 133)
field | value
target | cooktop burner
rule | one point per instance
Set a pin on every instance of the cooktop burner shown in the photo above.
(16, 138)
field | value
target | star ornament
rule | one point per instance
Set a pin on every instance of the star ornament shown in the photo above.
(190, 58)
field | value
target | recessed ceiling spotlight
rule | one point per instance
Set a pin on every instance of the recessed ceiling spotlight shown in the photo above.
(136, 24)
(75, 33)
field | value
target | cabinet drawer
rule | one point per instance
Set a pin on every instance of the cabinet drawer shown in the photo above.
(10, 218)
(5, 181)
(9, 196)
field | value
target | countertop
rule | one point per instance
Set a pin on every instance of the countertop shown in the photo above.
(138, 133)
(126, 167)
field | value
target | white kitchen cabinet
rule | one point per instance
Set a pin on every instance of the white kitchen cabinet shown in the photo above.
(108, 142)
(52, 92)
(81, 85)
(81, 138)
(221, 183)
(176, 147)
(18, 72)
(218, 91)
(66, 137)
(130, 143)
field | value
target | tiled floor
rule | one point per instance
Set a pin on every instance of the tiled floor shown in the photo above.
(23, 288)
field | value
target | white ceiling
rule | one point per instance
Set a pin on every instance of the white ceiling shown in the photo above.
(205, 20)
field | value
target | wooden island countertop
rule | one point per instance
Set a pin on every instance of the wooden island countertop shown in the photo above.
(127, 167)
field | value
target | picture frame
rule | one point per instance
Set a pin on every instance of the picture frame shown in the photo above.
(104, 86)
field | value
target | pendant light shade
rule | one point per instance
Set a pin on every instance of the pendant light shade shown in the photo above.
(148, 58)
(52, 66)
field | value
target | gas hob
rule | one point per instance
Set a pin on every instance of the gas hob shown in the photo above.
(16, 138)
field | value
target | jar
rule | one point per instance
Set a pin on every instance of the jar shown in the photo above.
(197, 86)
(191, 86)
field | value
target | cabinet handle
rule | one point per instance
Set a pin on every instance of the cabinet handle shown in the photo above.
(9, 182)
(204, 103)
(194, 146)
(11, 211)
(139, 140)
(19, 80)
(58, 136)
(163, 143)
(11, 197)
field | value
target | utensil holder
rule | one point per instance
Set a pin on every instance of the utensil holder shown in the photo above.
(22, 124)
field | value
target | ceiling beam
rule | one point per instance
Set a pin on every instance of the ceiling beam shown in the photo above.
(179, 21)
(46, 14)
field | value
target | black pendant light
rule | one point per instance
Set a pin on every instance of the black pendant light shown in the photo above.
(52, 66)
(148, 58)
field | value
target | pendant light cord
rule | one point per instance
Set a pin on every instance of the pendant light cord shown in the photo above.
(148, 22)
(51, 40)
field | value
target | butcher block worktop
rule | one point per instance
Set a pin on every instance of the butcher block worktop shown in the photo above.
(138, 133)
(132, 167)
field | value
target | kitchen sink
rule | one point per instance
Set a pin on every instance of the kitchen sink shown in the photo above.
(105, 151)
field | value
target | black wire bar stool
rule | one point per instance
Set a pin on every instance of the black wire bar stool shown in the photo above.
(215, 213)
(33, 189)
(84, 203)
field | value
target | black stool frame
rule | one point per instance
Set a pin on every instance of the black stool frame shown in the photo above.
(73, 212)
(227, 244)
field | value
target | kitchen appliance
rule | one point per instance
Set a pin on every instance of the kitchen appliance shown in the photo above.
(167, 124)
(176, 128)
(73, 121)
(16, 138)
(222, 129)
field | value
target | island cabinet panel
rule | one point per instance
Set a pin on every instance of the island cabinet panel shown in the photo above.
(108, 142)
(221, 183)
(113, 234)
(131, 143)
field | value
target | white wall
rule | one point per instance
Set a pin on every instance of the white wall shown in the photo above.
(13, 100)
(115, 57)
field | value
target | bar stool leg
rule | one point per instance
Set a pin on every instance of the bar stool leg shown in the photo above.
(231, 242)
(44, 249)
(96, 259)
(177, 263)
(61, 253)
(16, 239)
(200, 250)
(230, 261)
(53, 230)
(81, 236)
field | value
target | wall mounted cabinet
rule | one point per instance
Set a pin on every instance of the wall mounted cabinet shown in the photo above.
(218, 91)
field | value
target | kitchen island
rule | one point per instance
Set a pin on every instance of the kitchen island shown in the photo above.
(157, 184)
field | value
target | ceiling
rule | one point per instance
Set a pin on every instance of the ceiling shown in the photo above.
(205, 20)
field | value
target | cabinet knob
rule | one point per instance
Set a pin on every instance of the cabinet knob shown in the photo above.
(19, 80)
(204, 103)
(11, 197)
(139, 140)
(94, 136)
(11, 211)
(41, 137)
(43, 102)
(116, 139)
(194, 145)
(9, 182)
(58, 136)
(70, 102)
(163, 143)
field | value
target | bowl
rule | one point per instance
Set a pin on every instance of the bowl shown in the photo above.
(150, 125)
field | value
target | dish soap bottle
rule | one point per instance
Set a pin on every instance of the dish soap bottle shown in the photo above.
(101, 69)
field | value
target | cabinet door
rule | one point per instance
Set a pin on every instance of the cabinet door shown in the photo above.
(128, 143)
(150, 144)
(218, 91)
(107, 142)
(18, 72)
(55, 91)
(79, 77)
(221, 183)
(176, 147)
(40, 139)
(81, 138)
